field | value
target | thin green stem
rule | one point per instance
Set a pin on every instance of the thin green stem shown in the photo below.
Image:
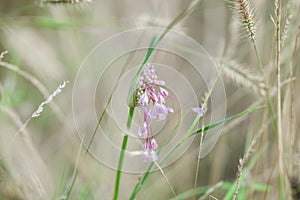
(279, 114)
(122, 154)
(199, 157)
(202, 133)
(119, 172)
(97, 126)
(260, 63)
(130, 116)
(69, 189)
(138, 187)
(267, 89)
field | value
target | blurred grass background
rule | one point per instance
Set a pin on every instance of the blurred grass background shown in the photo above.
(49, 42)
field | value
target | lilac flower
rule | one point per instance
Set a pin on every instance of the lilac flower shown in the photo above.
(159, 112)
(164, 92)
(159, 82)
(198, 110)
(161, 99)
(151, 97)
(153, 144)
(143, 131)
(149, 156)
(144, 99)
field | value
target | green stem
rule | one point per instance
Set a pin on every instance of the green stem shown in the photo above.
(122, 154)
(267, 90)
(138, 187)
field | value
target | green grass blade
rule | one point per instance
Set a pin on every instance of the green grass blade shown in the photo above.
(85, 193)
(67, 192)
(61, 184)
(120, 164)
(206, 128)
(138, 187)
(213, 125)
(51, 23)
(190, 193)
(122, 155)
(132, 88)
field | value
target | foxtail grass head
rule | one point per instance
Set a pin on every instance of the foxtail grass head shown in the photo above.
(53, 2)
(244, 12)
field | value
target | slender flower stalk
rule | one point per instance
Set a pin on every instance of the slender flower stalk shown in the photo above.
(150, 97)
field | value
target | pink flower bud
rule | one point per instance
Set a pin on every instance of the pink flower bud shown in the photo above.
(198, 110)
(143, 131)
(153, 144)
(144, 100)
(164, 92)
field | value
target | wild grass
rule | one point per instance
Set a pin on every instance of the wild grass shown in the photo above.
(257, 155)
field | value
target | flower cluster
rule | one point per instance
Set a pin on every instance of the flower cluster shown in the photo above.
(151, 98)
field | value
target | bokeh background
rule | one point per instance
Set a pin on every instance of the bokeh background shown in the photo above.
(46, 45)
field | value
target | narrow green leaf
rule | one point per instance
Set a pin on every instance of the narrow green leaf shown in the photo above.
(131, 94)
(52, 24)
(138, 187)
(228, 119)
(190, 193)
(69, 188)
(61, 184)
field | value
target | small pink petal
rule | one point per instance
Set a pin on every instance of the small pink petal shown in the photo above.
(170, 110)
(143, 131)
(153, 97)
(144, 100)
(198, 110)
(146, 147)
(161, 99)
(154, 155)
(164, 92)
(154, 144)
(146, 157)
(158, 82)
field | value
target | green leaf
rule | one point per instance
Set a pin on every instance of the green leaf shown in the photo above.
(50, 23)
(131, 94)
(228, 119)
(69, 188)
(191, 193)
(138, 187)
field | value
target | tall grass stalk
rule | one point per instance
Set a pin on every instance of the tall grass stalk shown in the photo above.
(37, 113)
(246, 18)
(199, 156)
(279, 114)
(241, 175)
(36, 83)
(166, 178)
(204, 107)
(292, 103)
(245, 158)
